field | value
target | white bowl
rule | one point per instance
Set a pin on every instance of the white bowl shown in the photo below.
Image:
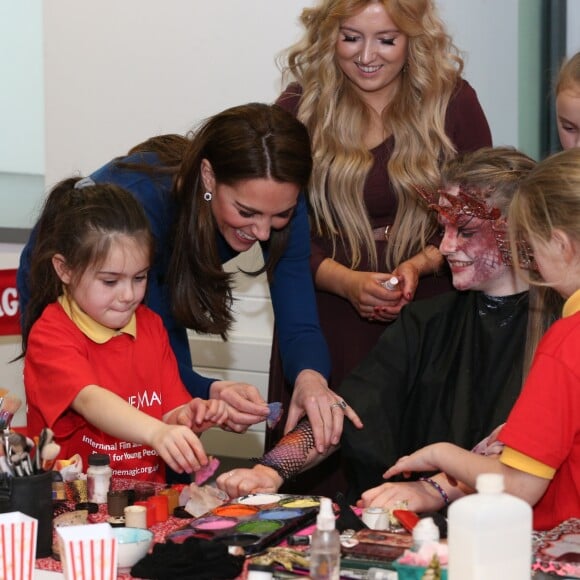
(132, 545)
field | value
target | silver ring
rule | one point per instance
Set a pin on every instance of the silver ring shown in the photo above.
(341, 404)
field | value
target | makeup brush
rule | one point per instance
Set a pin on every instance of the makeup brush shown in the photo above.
(46, 436)
(30, 451)
(17, 442)
(4, 465)
(19, 454)
(3, 393)
(49, 454)
(10, 406)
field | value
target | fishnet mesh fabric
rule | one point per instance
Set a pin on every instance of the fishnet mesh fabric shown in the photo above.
(290, 454)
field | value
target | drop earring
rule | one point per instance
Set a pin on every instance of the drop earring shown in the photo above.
(207, 196)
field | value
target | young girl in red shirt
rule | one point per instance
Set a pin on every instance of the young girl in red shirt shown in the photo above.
(98, 368)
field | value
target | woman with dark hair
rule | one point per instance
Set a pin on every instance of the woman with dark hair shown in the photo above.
(209, 196)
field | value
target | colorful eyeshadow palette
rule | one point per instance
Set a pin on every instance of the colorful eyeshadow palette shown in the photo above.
(252, 522)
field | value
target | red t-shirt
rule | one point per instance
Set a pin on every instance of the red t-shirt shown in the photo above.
(61, 360)
(544, 424)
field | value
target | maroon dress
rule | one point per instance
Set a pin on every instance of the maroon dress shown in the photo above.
(350, 337)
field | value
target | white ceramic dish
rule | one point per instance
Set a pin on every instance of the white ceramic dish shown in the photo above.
(132, 545)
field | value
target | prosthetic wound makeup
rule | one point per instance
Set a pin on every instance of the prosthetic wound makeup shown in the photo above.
(290, 454)
(472, 202)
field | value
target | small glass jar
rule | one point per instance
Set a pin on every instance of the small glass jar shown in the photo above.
(98, 477)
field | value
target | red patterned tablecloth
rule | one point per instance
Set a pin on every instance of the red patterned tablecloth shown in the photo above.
(160, 530)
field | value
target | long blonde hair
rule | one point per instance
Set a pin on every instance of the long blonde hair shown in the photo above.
(569, 75)
(548, 198)
(335, 114)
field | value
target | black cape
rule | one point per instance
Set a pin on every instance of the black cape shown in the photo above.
(449, 369)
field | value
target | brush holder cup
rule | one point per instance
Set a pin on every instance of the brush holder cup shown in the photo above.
(31, 495)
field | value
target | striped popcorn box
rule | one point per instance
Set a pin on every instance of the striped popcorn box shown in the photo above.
(17, 546)
(88, 552)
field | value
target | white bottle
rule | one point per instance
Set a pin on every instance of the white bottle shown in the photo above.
(325, 545)
(490, 534)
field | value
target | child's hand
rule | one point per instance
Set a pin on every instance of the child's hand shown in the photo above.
(179, 447)
(422, 460)
(258, 479)
(201, 414)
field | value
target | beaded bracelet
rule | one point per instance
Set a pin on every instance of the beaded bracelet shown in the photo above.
(438, 488)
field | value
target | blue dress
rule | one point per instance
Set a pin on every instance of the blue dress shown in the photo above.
(302, 344)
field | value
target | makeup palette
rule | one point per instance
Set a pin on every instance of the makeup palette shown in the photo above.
(252, 522)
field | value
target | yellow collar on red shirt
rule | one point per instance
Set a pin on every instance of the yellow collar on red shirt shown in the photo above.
(91, 328)
(572, 305)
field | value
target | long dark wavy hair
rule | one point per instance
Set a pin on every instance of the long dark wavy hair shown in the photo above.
(252, 141)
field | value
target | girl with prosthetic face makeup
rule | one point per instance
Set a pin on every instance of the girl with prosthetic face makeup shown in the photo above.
(541, 435)
(450, 368)
(470, 247)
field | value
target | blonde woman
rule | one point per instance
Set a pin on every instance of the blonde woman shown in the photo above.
(378, 85)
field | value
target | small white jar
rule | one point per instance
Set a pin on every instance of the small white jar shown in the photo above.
(98, 477)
